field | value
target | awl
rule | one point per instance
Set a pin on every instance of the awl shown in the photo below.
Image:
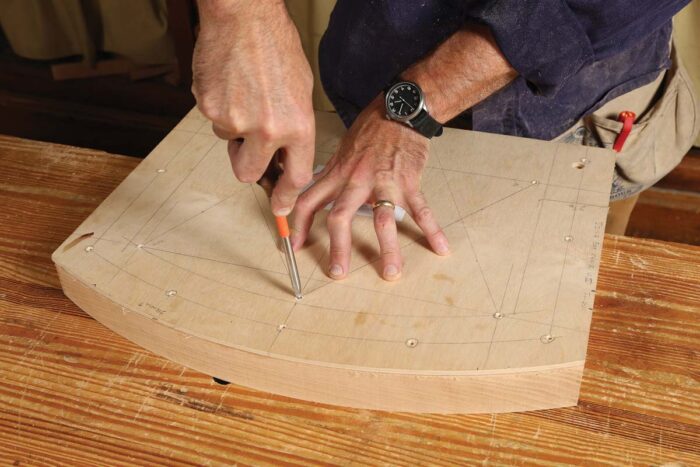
(283, 230)
(268, 182)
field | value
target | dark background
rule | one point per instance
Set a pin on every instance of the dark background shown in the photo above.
(130, 113)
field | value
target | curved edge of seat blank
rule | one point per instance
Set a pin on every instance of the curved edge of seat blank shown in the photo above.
(515, 391)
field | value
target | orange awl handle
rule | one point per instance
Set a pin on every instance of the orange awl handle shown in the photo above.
(282, 226)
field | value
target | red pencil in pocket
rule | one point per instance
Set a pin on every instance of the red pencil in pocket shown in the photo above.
(627, 119)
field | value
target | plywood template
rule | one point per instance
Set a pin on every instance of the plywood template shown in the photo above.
(184, 260)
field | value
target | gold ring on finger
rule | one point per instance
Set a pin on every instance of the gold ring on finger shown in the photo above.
(383, 202)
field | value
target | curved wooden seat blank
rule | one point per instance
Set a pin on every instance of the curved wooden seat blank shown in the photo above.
(183, 259)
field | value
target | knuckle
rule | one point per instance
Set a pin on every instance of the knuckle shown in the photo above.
(246, 174)
(229, 122)
(303, 129)
(223, 121)
(301, 207)
(383, 177)
(208, 107)
(267, 130)
(437, 232)
(423, 214)
(357, 178)
(266, 133)
(337, 251)
(300, 180)
(306, 206)
(339, 215)
(282, 199)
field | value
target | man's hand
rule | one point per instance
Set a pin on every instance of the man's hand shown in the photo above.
(377, 160)
(252, 80)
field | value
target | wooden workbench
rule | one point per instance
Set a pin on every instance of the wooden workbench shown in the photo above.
(73, 392)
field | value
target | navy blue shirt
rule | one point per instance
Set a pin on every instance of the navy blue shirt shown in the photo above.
(572, 56)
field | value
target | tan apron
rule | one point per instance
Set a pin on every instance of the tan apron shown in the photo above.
(668, 120)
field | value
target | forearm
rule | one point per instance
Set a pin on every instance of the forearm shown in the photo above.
(464, 70)
(232, 9)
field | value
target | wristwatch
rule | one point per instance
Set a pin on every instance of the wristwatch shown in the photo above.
(405, 103)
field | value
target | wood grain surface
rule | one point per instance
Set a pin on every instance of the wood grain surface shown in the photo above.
(185, 263)
(72, 392)
(671, 209)
(686, 176)
(667, 215)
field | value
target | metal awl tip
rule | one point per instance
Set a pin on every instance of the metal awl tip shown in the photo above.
(292, 266)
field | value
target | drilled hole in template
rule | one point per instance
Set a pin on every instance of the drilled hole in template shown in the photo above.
(578, 165)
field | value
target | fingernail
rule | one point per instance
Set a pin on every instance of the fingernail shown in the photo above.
(283, 212)
(336, 270)
(442, 249)
(391, 271)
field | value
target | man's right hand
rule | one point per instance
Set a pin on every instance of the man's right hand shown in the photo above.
(252, 80)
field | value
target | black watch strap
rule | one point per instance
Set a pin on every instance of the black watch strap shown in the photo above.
(426, 125)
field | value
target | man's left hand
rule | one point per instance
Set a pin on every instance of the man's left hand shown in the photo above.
(377, 159)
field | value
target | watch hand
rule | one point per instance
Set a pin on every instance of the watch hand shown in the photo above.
(409, 105)
(401, 108)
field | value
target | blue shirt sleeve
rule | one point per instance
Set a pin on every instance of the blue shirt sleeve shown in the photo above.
(548, 41)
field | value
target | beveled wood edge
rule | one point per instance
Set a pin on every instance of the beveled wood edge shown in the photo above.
(519, 391)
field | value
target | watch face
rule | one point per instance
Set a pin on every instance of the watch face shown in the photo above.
(404, 100)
